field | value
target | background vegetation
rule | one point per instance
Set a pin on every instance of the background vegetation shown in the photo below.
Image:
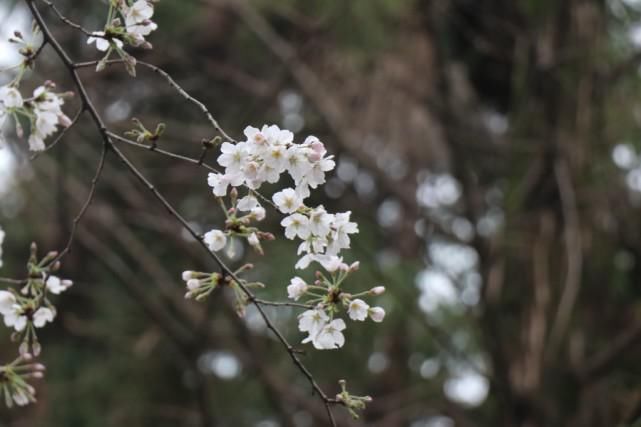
(488, 149)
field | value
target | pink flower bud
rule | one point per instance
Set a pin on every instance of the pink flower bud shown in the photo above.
(378, 290)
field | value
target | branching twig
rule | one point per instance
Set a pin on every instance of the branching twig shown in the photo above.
(109, 144)
(173, 84)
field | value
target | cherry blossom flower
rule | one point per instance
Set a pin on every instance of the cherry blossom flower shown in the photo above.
(358, 309)
(15, 318)
(10, 97)
(254, 242)
(312, 321)
(215, 240)
(7, 301)
(42, 316)
(320, 221)
(48, 116)
(377, 314)
(330, 336)
(102, 43)
(138, 19)
(296, 225)
(233, 157)
(220, 182)
(287, 200)
(297, 288)
(55, 285)
(258, 213)
(247, 203)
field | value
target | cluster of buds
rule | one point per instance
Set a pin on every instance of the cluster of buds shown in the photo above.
(14, 380)
(200, 285)
(141, 134)
(351, 402)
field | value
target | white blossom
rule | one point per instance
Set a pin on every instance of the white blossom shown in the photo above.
(330, 337)
(233, 157)
(377, 314)
(358, 309)
(7, 301)
(138, 19)
(10, 97)
(312, 321)
(103, 44)
(297, 162)
(42, 316)
(220, 182)
(320, 221)
(253, 240)
(297, 288)
(287, 200)
(258, 213)
(15, 318)
(215, 240)
(247, 203)
(296, 225)
(342, 228)
(55, 285)
(21, 398)
(187, 274)
(47, 107)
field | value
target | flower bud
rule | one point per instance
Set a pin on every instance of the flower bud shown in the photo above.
(378, 290)
(64, 120)
(193, 284)
(188, 274)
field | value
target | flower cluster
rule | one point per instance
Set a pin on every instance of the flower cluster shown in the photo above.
(323, 329)
(13, 381)
(200, 285)
(24, 311)
(127, 23)
(43, 111)
(263, 157)
(30, 308)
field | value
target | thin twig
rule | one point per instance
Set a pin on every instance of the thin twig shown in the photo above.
(65, 20)
(173, 84)
(85, 206)
(8, 281)
(284, 304)
(187, 159)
